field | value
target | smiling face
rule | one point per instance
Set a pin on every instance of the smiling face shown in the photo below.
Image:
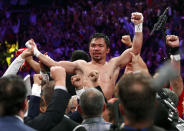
(98, 49)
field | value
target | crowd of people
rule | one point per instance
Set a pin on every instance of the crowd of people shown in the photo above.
(62, 29)
(65, 88)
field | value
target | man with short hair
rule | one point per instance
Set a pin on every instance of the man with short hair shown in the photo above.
(137, 102)
(91, 106)
(46, 110)
(56, 108)
(99, 47)
(13, 104)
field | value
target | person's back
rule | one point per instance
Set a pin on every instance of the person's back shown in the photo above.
(13, 104)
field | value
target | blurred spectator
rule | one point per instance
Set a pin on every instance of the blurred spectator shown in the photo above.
(137, 102)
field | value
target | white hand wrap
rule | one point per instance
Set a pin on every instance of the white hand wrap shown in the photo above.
(28, 45)
(36, 52)
(36, 90)
(176, 57)
(139, 27)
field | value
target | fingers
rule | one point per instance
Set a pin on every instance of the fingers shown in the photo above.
(126, 40)
(32, 42)
(172, 40)
(137, 18)
(40, 77)
(172, 37)
(26, 53)
(93, 76)
(76, 81)
(136, 22)
(75, 78)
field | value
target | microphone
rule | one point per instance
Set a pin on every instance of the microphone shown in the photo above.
(161, 21)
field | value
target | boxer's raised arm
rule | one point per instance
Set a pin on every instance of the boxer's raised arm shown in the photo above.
(126, 57)
(70, 67)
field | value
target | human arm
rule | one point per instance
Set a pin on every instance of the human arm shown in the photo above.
(34, 65)
(46, 60)
(77, 82)
(93, 77)
(90, 81)
(126, 40)
(56, 108)
(125, 57)
(137, 65)
(34, 101)
(176, 84)
(15, 65)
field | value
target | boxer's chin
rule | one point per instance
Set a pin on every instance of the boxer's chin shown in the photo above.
(97, 58)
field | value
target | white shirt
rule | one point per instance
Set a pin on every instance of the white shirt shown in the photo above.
(19, 118)
(14, 67)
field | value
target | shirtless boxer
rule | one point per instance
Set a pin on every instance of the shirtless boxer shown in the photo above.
(98, 49)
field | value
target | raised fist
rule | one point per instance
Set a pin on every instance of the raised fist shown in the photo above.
(37, 78)
(93, 76)
(58, 73)
(77, 81)
(26, 53)
(172, 41)
(137, 18)
(126, 40)
(30, 44)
